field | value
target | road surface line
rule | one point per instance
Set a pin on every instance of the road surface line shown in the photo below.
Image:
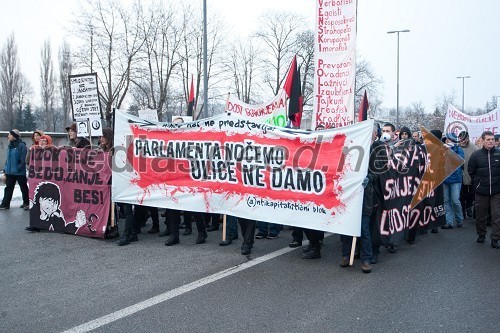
(130, 310)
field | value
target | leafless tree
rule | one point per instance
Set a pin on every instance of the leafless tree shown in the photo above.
(47, 86)
(191, 54)
(366, 79)
(23, 92)
(112, 29)
(278, 32)
(158, 59)
(242, 65)
(65, 70)
(9, 82)
(415, 116)
(305, 60)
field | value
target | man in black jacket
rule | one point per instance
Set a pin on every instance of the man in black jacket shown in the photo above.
(484, 168)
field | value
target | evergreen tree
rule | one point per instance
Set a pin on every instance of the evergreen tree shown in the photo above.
(18, 122)
(28, 119)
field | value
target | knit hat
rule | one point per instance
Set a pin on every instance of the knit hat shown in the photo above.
(15, 133)
(72, 127)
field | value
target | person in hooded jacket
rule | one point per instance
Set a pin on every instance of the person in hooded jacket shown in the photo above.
(452, 186)
(15, 170)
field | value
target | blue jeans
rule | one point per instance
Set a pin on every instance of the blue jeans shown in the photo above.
(231, 227)
(366, 241)
(452, 205)
(266, 228)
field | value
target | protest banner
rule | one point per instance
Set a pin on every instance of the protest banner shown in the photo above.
(334, 63)
(231, 165)
(69, 190)
(273, 112)
(456, 122)
(84, 93)
(397, 216)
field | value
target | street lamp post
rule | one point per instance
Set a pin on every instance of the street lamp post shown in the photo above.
(397, 91)
(463, 89)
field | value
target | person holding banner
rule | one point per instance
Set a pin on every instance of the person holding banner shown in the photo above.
(467, 191)
(173, 218)
(366, 252)
(74, 140)
(15, 170)
(484, 168)
(34, 143)
(452, 186)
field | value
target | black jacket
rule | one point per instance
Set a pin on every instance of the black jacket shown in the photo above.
(484, 168)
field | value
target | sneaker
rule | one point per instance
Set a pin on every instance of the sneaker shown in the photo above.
(272, 236)
(344, 262)
(447, 226)
(481, 239)
(459, 225)
(2, 207)
(295, 243)
(260, 236)
(366, 267)
(495, 244)
(392, 249)
(24, 205)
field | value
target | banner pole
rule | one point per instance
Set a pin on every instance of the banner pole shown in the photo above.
(353, 249)
(112, 214)
(223, 227)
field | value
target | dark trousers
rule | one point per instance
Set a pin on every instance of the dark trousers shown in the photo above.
(297, 234)
(154, 216)
(483, 204)
(173, 219)
(466, 197)
(247, 231)
(10, 182)
(198, 218)
(132, 223)
(314, 236)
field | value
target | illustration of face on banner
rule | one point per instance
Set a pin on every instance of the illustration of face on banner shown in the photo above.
(69, 190)
(82, 127)
(232, 165)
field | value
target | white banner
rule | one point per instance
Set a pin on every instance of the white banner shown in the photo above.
(85, 96)
(231, 165)
(273, 112)
(457, 121)
(335, 63)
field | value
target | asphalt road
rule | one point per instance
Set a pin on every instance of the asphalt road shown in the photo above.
(49, 282)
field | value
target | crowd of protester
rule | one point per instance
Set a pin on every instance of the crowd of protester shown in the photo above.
(471, 191)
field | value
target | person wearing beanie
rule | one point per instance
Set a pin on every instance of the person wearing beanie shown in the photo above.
(452, 186)
(15, 170)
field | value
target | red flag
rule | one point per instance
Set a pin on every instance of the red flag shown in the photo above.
(191, 99)
(294, 92)
(363, 108)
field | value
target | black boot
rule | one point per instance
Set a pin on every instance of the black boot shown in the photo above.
(313, 253)
(172, 240)
(126, 240)
(202, 238)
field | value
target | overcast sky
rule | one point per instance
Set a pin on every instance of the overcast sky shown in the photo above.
(447, 38)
